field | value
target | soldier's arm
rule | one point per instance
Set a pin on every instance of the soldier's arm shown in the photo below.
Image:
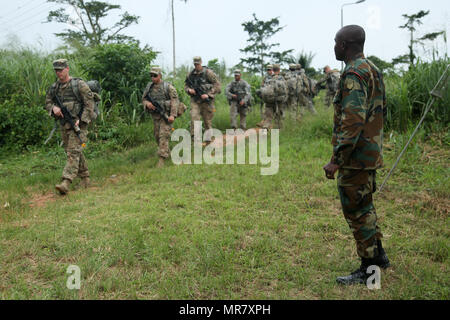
(354, 104)
(213, 79)
(88, 100)
(173, 94)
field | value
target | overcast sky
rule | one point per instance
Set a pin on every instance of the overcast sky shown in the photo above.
(212, 28)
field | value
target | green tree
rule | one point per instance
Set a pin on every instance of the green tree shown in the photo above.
(122, 68)
(259, 48)
(219, 68)
(380, 63)
(91, 32)
(413, 21)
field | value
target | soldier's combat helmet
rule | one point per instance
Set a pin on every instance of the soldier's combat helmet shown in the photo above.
(60, 64)
(269, 67)
(237, 72)
(292, 67)
(197, 60)
(155, 70)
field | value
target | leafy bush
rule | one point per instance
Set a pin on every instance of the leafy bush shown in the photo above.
(22, 125)
(123, 68)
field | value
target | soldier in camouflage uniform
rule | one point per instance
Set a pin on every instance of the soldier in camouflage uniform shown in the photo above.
(331, 81)
(360, 108)
(81, 107)
(277, 104)
(305, 93)
(238, 93)
(268, 76)
(265, 80)
(202, 103)
(294, 84)
(166, 96)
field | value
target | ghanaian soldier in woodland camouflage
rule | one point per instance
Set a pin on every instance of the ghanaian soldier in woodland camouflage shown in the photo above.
(360, 109)
(80, 105)
(202, 84)
(331, 81)
(238, 93)
(166, 96)
(274, 94)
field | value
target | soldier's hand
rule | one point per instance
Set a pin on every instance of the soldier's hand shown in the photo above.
(242, 103)
(171, 119)
(330, 170)
(205, 96)
(192, 92)
(234, 96)
(150, 106)
(57, 112)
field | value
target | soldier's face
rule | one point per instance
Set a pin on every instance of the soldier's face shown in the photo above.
(237, 77)
(156, 78)
(270, 72)
(62, 74)
(198, 67)
(339, 48)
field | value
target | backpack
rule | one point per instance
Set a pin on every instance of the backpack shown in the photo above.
(96, 89)
(275, 91)
(181, 108)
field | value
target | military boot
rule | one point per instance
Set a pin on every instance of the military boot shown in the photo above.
(63, 188)
(360, 275)
(160, 162)
(85, 182)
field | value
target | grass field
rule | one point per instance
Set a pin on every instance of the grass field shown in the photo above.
(220, 232)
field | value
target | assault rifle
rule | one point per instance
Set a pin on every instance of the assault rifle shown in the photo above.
(198, 89)
(68, 117)
(158, 107)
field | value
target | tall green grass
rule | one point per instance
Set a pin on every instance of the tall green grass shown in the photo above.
(408, 94)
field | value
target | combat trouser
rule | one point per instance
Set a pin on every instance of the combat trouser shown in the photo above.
(355, 190)
(271, 114)
(76, 164)
(306, 102)
(199, 111)
(162, 131)
(329, 98)
(235, 110)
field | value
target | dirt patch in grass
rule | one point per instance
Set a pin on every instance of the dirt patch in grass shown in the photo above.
(40, 201)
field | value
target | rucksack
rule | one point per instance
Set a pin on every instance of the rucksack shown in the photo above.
(96, 89)
(275, 91)
(181, 108)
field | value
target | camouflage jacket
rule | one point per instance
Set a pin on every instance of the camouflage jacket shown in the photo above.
(359, 111)
(240, 88)
(80, 110)
(207, 80)
(266, 79)
(331, 80)
(165, 94)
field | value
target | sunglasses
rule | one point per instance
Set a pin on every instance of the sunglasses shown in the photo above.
(154, 75)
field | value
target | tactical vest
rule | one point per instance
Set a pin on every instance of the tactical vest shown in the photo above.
(200, 79)
(238, 88)
(68, 99)
(160, 94)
